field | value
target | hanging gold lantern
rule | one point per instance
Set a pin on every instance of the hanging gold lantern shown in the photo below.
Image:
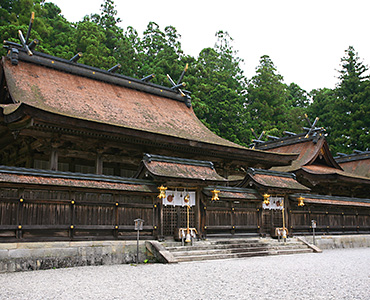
(300, 201)
(162, 192)
(215, 195)
(266, 199)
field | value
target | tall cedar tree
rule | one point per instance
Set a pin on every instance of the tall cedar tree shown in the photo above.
(267, 98)
(344, 111)
(219, 91)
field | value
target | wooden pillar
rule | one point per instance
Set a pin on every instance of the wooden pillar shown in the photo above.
(19, 216)
(203, 217)
(54, 159)
(116, 215)
(99, 163)
(161, 217)
(197, 211)
(72, 220)
(156, 217)
(30, 153)
(232, 212)
(259, 219)
(287, 214)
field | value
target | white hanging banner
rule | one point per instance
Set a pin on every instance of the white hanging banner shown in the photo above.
(179, 198)
(275, 203)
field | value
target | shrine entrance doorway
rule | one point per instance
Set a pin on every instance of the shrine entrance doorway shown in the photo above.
(175, 217)
(175, 211)
(272, 215)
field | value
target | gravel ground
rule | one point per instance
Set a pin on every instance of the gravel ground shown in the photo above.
(333, 274)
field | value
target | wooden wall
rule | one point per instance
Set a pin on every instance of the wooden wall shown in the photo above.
(229, 217)
(28, 214)
(330, 219)
(35, 213)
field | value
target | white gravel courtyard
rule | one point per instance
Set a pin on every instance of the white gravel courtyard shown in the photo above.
(333, 274)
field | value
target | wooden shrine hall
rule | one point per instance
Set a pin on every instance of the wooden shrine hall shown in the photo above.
(84, 152)
(340, 188)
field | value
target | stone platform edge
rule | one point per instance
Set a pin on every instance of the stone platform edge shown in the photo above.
(339, 241)
(16, 257)
(48, 255)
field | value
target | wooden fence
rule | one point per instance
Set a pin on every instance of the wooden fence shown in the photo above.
(41, 214)
(330, 219)
(228, 217)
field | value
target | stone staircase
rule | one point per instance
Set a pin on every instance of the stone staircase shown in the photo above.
(234, 248)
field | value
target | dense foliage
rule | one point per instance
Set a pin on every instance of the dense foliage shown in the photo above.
(223, 98)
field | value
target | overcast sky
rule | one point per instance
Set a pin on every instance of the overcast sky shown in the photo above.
(304, 39)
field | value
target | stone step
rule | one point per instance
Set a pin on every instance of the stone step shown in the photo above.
(287, 247)
(180, 251)
(194, 257)
(205, 246)
(220, 256)
(233, 241)
(235, 248)
(213, 246)
(290, 251)
(212, 251)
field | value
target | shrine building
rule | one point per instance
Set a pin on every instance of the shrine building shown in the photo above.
(84, 152)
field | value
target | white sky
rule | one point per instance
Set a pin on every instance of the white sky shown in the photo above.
(304, 39)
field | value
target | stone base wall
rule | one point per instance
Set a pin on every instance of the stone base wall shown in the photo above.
(16, 257)
(340, 241)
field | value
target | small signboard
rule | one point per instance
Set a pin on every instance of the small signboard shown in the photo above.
(313, 224)
(139, 224)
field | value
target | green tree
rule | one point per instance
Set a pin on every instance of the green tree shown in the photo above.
(323, 106)
(218, 87)
(352, 108)
(267, 98)
(344, 111)
(297, 97)
(160, 53)
(90, 38)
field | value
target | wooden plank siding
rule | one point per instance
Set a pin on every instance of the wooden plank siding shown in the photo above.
(229, 217)
(33, 214)
(330, 219)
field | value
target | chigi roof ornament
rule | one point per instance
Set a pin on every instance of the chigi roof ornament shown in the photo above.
(23, 40)
(14, 52)
(313, 130)
(258, 139)
(177, 86)
(76, 57)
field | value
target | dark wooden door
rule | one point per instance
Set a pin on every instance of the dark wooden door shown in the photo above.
(271, 219)
(175, 217)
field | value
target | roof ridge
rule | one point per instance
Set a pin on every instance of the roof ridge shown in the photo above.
(230, 189)
(170, 159)
(327, 197)
(70, 175)
(76, 68)
(289, 140)
(353, 157)
(254, 171)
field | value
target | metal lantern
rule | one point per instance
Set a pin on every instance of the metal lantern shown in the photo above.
(300, 201)
(266, 199)
(215, 195)
(162, 192)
